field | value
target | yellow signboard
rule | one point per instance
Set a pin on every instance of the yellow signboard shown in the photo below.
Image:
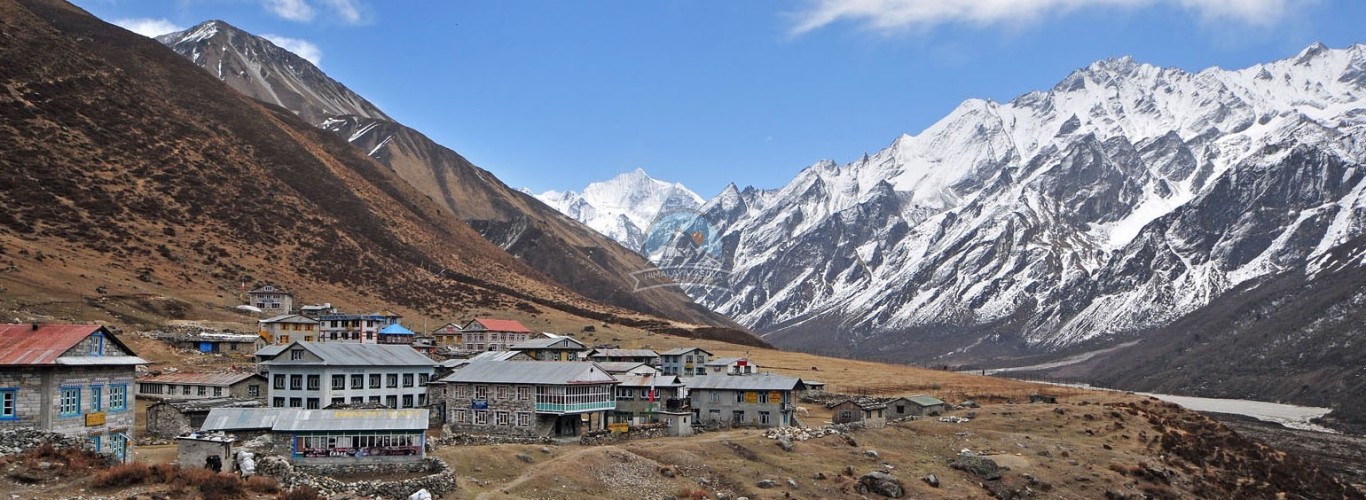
(751, 397)
(619, 428)
(94, 418)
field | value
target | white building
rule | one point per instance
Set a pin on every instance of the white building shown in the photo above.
(313, 375)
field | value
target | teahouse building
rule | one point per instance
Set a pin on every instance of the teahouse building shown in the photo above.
(868, 411)
(330, 437)
(684, 361)
(271, 299)
(484, 334)
(528, 398)
(69, 379)
(202, 386)
(312, 375)
(761, 400)
(552, 348)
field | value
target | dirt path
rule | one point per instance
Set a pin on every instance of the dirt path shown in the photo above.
(528, 474)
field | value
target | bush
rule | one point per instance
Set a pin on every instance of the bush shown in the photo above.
(164, 473)
(220, 486)
(263, 484)
(302, 493)
(123, 475)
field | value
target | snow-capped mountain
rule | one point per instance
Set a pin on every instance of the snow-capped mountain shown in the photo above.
(624, 207)
(1119, 200)
(258, 68)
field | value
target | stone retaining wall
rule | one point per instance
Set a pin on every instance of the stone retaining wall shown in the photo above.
(16, 441)
(440, 482)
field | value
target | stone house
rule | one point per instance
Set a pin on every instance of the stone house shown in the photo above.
(762, 400)
(731, 366)
(684, 361)
(202, 386)
(312, 375)
(330, 437)
(69, 379)
(868, 411)
(641, 398)
(396, 334)
(552, 348)
(484, 334)
(170, 418)
(449, 335)
(287, 328)
(917, 406)
(528, 398)
(646, 356)
(271, 299)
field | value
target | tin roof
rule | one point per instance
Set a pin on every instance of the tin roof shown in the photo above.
(396, 329)
(760, 382)
(494, 356)
(23, 345)
(500, 325)
(270, 350)
(546, 342)
(268, 289)
(682, 350)
(353, 354)
(649, 380)
(531, 372)
(223, 379)
(615, 367)
(862, 403)
(297, 420)
(723, 361)
(924, 400)
(624, 353)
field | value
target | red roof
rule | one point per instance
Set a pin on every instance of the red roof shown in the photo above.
(22, 345)
(502, 325)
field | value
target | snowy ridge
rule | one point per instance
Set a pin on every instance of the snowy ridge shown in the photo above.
(624, 207)
(1122, 198)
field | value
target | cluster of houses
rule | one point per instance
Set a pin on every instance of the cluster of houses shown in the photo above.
(328, 386)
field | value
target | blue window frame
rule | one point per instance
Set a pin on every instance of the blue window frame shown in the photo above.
(97, 344)
(9, 403)
(70, 403)
(118, 397)
(96, 398)
(96, 442)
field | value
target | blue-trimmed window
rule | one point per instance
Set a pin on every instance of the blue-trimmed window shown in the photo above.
(96, 398)
(97, 344)
(9, 403)
(70, 403)
(118, 397)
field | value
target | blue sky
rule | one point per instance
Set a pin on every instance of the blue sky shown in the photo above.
(555, 94)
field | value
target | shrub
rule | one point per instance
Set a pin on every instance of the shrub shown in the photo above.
(263, 484)
(220, 486)
(302, 493)
(164, 473)
(123, 475)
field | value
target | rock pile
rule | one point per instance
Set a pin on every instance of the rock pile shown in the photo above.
(881, 483)
(16, 441)
(805, 433)
(438, 483)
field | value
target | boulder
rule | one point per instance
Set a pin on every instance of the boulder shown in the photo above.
(931, 480)
(881, 483)
(767, 483)
(982, 467)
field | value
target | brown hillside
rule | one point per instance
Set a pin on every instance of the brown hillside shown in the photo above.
(130, 176)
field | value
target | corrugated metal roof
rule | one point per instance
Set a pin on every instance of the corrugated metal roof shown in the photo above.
(621, 366)
(223, 379)
(723, 361)
(761, 382)
(241, 419)
(271, 350)
(494, 356)
(352, 420)
(682, 350)
(501, 325)
(290, 318)
(396, 329)
(22, 345)
(353, 354)
(649, 380)
(544, 343)
(530, 372)
(924, 400)
(624, 353)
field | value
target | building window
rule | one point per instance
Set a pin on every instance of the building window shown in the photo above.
(523, 419)
(358, 381)
(97, 344)
(374, 399)
(423, 378)
(96, 398)
(338, 382)
(296, 402)
(279, 383)
(715, 396)
(185, 390)
(523, 393)
(738, 416)
(391, 380)
(763, 397)
(763, 418)
(296, 382)
(481, 417)
(502, 392)
(502, 418)
(407, 400)
(313, 404)
(9, 404)
(422, 399)
(459, 416)
(278, 402)
(391, 401)
(374, 380)
(315, 382)
(739, 396)
(202, 390)
(481, 392)
(254, 391)
(295, 354)
(462, 391)
(118, 397)
(217, 391)
(284, 339)
(355, 400)
(70, 401)
(407, 380)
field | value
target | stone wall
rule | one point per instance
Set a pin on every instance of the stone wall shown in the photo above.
(651, 431)
(512, 405)
(439, 482)
(165, 421)
(16, 441)
(486, 439)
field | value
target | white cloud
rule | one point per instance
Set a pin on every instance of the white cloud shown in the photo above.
(348, 10)
(301, 48)
(147, 26)
(293, 10)
(893, 15)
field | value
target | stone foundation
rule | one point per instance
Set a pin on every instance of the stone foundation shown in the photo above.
(439, 482)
